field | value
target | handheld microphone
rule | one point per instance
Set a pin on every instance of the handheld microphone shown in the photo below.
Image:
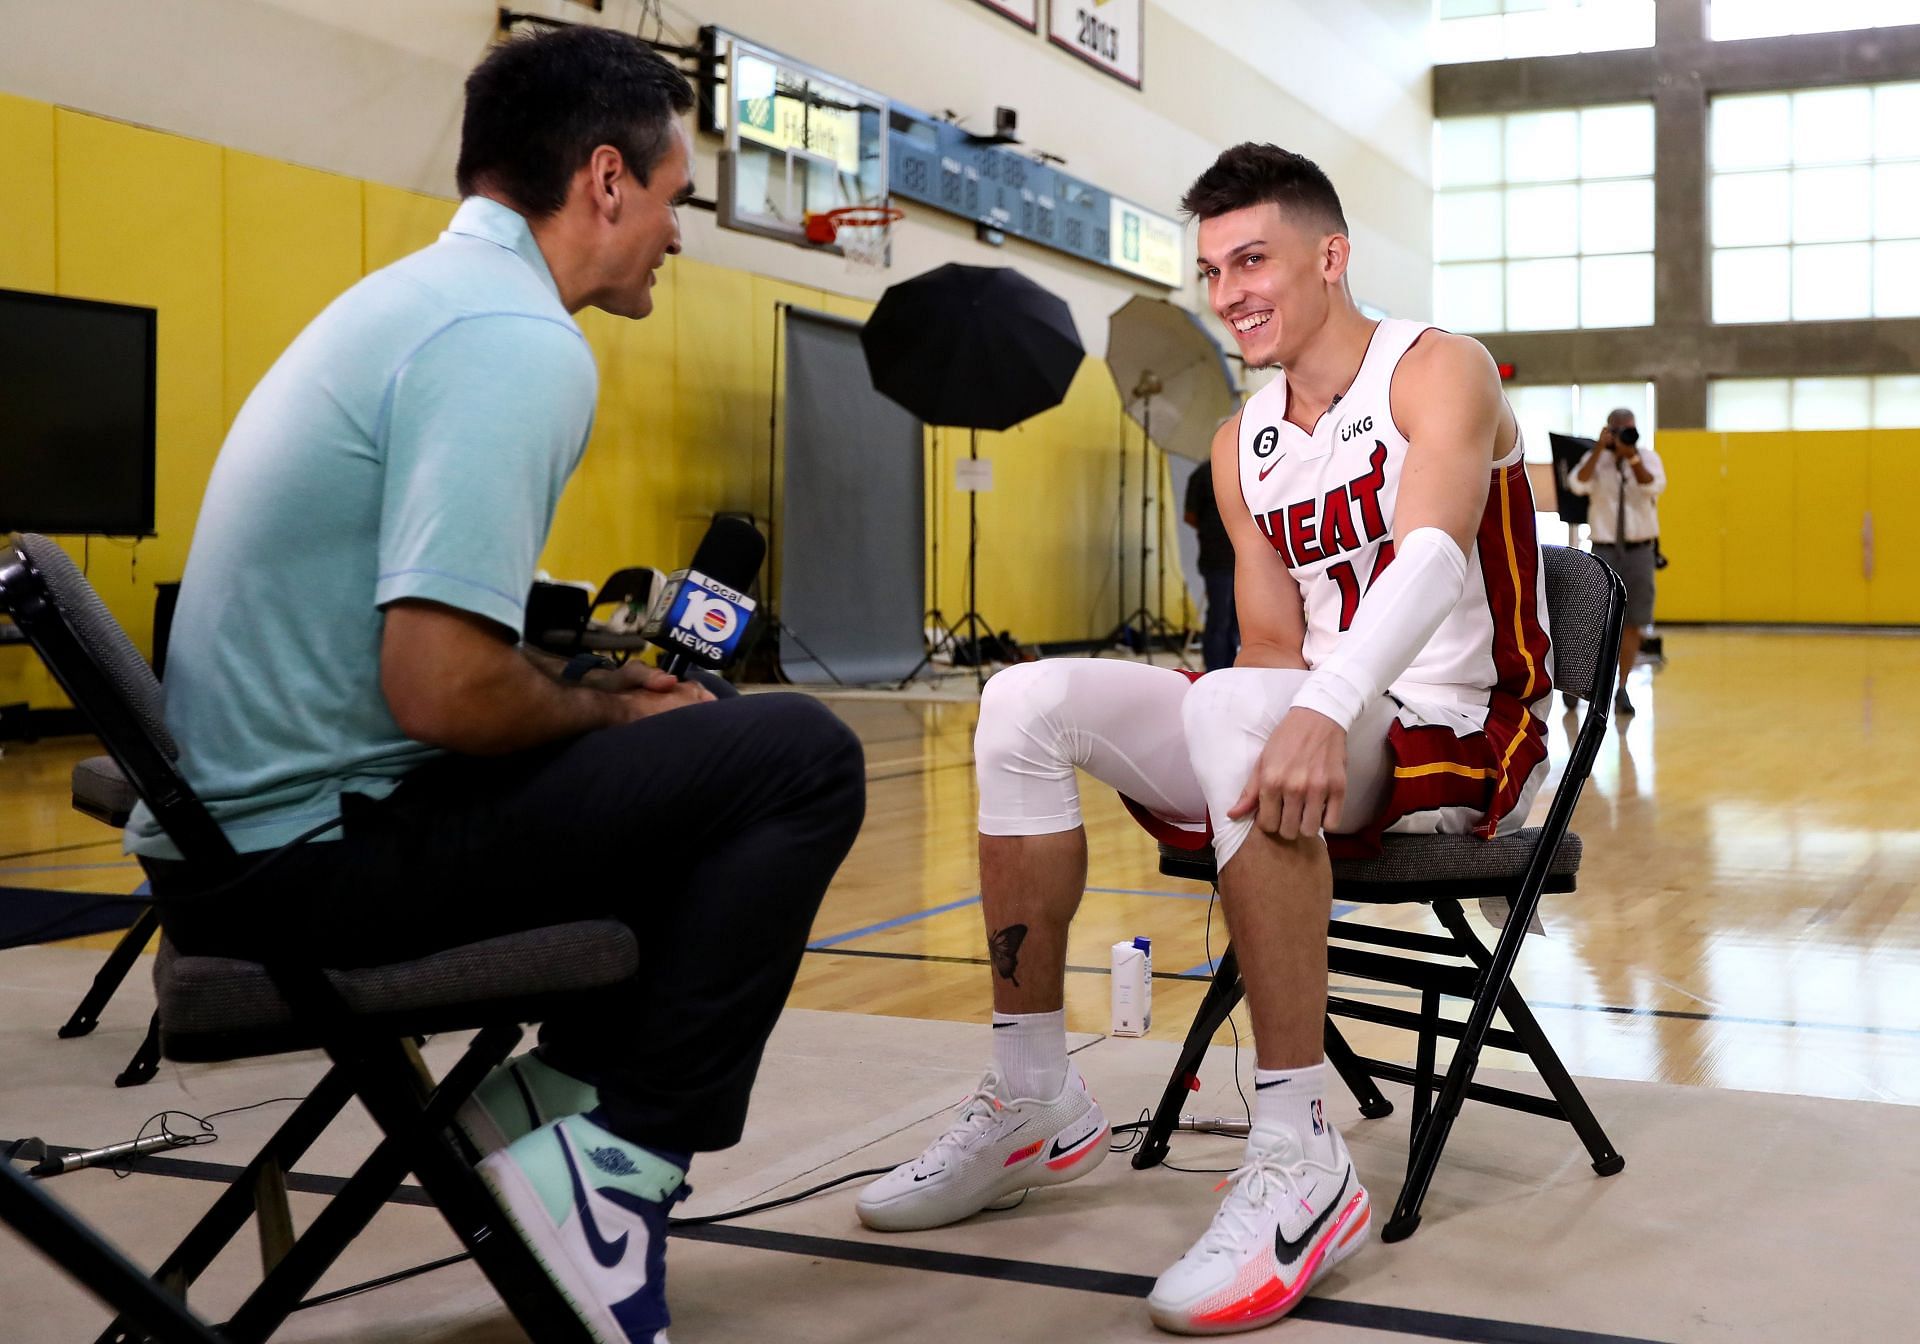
(702, 611)
(100, 1157)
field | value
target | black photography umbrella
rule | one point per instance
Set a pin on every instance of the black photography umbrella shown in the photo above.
(975, 347)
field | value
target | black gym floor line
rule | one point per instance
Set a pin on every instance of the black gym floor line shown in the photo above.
(1357, 1315)
(1615, 1010)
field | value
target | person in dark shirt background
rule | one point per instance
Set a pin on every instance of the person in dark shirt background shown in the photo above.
(1220, 640)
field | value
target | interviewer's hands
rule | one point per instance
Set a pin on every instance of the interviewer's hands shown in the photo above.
(644, 690)
(1300, 782)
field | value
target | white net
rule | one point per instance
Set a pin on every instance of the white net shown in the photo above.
(865, 237)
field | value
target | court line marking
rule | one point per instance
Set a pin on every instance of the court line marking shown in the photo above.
(68, 867)
(1615, 1010)
(914, 916)
(1333, 1311)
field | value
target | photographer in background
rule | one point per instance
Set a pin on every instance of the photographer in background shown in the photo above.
(1623, 477)
(1220, 640)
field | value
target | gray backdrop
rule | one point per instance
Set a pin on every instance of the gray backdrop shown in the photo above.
(853, 528)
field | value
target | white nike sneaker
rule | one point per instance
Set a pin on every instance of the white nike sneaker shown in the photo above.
(1285, 1222)
(998, 1148)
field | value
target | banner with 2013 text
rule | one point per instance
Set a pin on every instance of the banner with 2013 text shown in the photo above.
(1108, 34)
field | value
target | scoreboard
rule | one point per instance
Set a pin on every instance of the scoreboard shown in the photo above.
(938, 164)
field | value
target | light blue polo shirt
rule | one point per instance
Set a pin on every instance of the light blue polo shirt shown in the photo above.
(411, 443)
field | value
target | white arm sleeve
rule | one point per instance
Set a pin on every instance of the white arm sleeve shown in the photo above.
(1398, 615)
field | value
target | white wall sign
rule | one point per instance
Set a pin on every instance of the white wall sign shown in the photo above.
(1110, 34)
(1147, 244)
(973, 475)
(1026, 13)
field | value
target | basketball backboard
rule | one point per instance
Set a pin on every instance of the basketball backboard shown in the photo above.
(799, 141)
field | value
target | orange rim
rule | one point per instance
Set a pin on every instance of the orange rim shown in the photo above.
(825, 226)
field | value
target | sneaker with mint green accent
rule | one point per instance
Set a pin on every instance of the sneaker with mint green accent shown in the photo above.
(517, 1098)
(593, 1210)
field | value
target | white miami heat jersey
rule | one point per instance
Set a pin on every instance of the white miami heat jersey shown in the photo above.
(1325, 501)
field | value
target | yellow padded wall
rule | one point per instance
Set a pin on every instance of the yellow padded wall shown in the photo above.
(26, 262)
(398, 223)
(1692, 527)
(615, 510)
(1829, 511)
(26, 195)
(293, 246)
(1893, 595)
(1759, 538)
(139, 221)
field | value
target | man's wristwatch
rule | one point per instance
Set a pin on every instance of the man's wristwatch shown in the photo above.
(582, 663)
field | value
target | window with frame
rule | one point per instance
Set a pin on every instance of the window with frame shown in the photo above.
(1494, 30)
(1815, 204)
(1582, 409)
(1543, 221)
(1885, 401)
(1730, 20)
(1579, 409)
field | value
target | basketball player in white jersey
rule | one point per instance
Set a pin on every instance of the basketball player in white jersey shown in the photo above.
(1393, 670)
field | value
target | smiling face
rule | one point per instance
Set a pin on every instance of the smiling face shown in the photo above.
(1271, 278)
(645, 229)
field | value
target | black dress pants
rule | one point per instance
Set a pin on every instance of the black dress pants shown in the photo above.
(711, 830)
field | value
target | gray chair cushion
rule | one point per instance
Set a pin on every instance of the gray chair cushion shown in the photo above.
(1410, 862)
(221, 997)
(1458, 858)
(100, 790)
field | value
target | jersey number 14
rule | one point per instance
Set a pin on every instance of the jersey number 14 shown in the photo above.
(1348, 582)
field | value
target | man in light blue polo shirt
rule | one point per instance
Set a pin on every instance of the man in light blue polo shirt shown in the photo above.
(350, 698)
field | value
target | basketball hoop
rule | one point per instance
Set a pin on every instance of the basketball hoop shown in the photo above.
(862, 233)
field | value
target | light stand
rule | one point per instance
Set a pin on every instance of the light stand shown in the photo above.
(935, 619)
(972, 622)
(1151, 625)
(773, 625)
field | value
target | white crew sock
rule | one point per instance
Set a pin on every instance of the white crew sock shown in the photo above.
(1293, 1099)
(1030, 1053)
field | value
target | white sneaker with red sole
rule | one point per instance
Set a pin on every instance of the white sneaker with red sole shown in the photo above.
(1285, 1222)
(998, 1148)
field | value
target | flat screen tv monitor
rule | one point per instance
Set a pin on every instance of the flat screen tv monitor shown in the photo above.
(76, 416)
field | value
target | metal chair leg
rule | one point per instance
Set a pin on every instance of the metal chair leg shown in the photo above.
(1223, 994)
(1423, 1067)
(229, 1213)
(1606, 1161)
(348, 1212)
(146, 1060)
(1354, 1074)
(112, 971)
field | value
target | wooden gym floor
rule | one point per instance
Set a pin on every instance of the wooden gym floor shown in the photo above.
(1746, 926)
(1747, 914)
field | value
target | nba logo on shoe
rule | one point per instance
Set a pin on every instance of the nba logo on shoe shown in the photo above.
(1319, 1119)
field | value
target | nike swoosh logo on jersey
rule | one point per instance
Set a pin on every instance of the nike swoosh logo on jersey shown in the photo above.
(1267, 470)
(1286, 1252)
(608, 1253)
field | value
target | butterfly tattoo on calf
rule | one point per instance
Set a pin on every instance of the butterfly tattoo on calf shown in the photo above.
(1003, 949)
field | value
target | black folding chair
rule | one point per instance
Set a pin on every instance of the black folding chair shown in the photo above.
(1587, 603)
(366, 1020)
(103, 793)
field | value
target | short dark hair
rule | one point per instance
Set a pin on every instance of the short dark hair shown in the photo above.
(1250, 174)
(539, 105)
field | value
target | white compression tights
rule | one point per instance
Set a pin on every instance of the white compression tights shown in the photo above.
(1182, 749)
